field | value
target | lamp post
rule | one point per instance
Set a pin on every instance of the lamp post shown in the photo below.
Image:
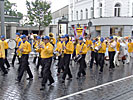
(2, 17)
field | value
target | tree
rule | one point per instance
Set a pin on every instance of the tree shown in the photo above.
(38, 13)
(10, 9)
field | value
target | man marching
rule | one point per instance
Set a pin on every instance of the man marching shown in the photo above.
(88, 43)
(6, 48)
(46, 51)
(2, 57)
(25, 49)
(101, 54)
(93, 54)
(68, 51)
(18, 39)
(59, 49)
(81, 49)
(111, 50)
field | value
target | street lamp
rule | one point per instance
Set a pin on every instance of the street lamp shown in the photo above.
(2, 17)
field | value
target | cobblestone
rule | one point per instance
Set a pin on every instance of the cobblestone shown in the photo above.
(30, 90)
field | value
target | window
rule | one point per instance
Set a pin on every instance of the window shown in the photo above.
(86, 13)
(77, 14)
(72, 15)
(132, 9)
(91, 12)
(81, 14)
(117, 10)
(100, 8)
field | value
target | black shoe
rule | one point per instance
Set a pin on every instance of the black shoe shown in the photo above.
(40, 77)
(17, 80)
(30, 79)
(100, 72)
(50, 84)
(42, 88)
(63, 81)
(69, 78)
(84, 76)
(12, 65)
(8, 68)
(5, 73)
(78, 77)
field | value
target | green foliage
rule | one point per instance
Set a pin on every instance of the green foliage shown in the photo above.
(39, 13)
(10, 9)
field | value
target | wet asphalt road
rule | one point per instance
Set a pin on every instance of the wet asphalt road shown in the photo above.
(30, 90)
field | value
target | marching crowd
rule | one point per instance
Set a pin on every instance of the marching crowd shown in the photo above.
(85, 51)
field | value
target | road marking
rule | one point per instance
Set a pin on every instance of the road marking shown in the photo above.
(90, 89)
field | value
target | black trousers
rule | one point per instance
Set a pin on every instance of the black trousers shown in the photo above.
(101, 61)
(111, 59)
(47, 75)
(67, 70)
(82, 66)
(2, 66)
(94, 56)
(5, 60)
(34, 60)
(38, 63)
(24, 67)
(14, 57)
(60, 64)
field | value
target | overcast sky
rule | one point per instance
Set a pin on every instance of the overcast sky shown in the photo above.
(56, 4)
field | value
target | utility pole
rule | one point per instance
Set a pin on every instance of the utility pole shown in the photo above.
(2, 17)
(93, 9)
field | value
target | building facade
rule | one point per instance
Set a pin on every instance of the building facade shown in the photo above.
(56, 16)
(109, 17)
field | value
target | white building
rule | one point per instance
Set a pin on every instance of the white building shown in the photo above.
(111, 17)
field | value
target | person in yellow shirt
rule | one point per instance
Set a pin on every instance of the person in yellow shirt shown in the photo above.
(81, 49)
(18, 39)
(111, 51)
(130, 50)
(52, 39)
(6, 51)
(46, 50)
(101, 54)
(68, 51)
(94, 54)
(39, 58)
(116, 61)
(88, 55)
(34, 46)
(25, 48)
(2, 57)
(59, 49)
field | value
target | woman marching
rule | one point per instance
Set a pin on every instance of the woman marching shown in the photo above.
(81, 49)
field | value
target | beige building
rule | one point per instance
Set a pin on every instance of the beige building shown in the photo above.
(56, 16)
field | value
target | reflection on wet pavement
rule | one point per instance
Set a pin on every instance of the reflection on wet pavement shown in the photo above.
(30, 90)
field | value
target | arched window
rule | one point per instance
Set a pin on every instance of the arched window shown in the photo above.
(81, 14)
(77, 14)
(91, 12)
(117, 10)
(100, 8)
(86, 13)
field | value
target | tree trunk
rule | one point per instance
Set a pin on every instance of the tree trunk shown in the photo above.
(39, 31)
